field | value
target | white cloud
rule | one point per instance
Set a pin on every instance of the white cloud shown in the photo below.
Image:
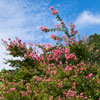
(87, 18)
(22, 19)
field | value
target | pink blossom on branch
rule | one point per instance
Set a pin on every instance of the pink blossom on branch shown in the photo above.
(12, 89)
(43, 28)
(56, 11)
(53, 11)
(90, 75)
(52, 8)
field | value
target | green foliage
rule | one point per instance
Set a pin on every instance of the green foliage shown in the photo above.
(94, 46)
(81, 51)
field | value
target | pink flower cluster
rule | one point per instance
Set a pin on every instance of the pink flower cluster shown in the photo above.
(73, 32)
(21, 47)
(69, 55)
(38, 79)
(53, 11)
(43, 28)
(65, 38)
(89, 76)
(51, 98)
(54, 37)
(28, 91)
(60, 85)
(14, 43)
(72, 93)
(12, 89)
(57, 53)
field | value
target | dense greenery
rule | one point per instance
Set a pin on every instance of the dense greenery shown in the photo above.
(94, 45)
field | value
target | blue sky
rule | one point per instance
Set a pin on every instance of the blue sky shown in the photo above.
(23, 18)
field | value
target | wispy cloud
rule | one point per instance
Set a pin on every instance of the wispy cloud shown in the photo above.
(22, 19)
(87, 18)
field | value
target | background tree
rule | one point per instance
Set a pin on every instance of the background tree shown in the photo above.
(94, 46)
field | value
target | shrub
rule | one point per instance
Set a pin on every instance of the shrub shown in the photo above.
(59, 73)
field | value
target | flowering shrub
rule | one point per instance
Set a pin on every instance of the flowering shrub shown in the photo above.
(59, 73)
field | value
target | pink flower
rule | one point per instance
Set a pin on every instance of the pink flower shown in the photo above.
(8, 47)
(52, 64)
(38, 79)
(56, 11)
(81, 69)
(72, 32)
(28, 87)
(19, 41)
(87, 98)
(2, 79)
(9, 39)
(75, 32)
(26, 93)
(87, 77)
(23, 93)
(60, 62)
(31, 55)
(51, 97)
(90, 75)
(2, 96)
(70, 68)
(74, 83)
(59, 98)
(3, 87)
(53, 11)
(57, 59)
(12, 89)
(58, 80)
(27, 51)
(55, 72)
(73, 26)
(38, 58)
(81, 94)
(10, 43)
(8, 91)
(60, 85)
(52, 36)
(71, 56)
(43, 28)
(52, 8)
(29, 91)
(67, 50)
(66, 68)
(27, 84)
